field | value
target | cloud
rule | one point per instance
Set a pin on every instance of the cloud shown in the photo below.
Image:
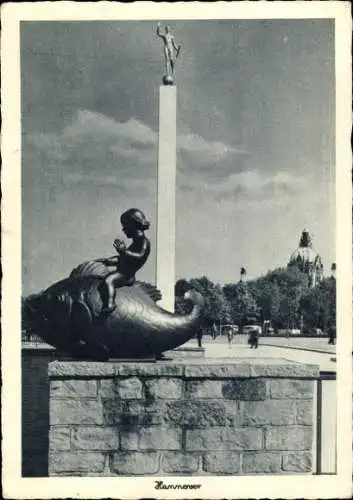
(253, 187)
(208, 160)
(99, 151)
(89, 123)
(92, 149)
(193, 143)
(213, 160)
(109, 181)
(253, 219)
(96, 149)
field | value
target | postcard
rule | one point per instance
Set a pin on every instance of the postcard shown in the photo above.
(177, 250)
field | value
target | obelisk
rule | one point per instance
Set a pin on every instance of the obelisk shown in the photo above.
(166, 177)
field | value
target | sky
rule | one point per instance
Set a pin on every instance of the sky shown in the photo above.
(255, 142)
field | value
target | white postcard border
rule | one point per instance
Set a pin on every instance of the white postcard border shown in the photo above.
(14, 485)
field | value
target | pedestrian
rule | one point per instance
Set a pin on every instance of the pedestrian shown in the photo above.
(332, 335)
(214, 331)
(230, 336)
(199, 338)
(254, 338)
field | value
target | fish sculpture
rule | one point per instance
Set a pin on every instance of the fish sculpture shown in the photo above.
(70, 316)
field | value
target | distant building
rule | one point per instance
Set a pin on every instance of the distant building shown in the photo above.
(307, 260)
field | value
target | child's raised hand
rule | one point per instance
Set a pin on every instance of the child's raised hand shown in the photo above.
(119, 245)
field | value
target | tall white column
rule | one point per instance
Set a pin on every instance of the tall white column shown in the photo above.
(166, 179)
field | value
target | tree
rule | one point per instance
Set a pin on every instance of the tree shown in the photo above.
(281, 296)
(318, 306)
(268, 299)
(216, 305)
(244, 309)
(221, 306)
(216, 308)
(278, 295)
(181, 305)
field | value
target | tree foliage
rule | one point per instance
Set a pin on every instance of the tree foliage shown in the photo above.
(244, 309)
(318, 306)
(217, 308)
(278, 295)
(281, 296)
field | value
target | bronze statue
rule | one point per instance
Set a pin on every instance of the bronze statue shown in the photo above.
(72, 315)
(129, 260)
(169, 58)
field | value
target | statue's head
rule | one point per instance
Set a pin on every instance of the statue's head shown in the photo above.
(134, 220)
(167, 29)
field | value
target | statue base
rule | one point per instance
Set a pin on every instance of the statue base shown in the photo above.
(188, 406)
(133, 360)
(185, 352)
(168, 80)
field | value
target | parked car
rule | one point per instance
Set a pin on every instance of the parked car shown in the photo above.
(267, 328)
(294, 331)
(247, 329)
(289, 332)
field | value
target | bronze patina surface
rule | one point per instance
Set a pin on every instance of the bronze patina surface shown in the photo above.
(72, 314)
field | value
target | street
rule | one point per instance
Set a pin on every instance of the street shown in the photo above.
(300, 350)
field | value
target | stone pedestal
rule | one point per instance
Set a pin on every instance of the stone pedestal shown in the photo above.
(170, 418)
(166, 176)
(185, 352)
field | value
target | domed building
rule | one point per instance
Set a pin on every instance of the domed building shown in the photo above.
(307, 260)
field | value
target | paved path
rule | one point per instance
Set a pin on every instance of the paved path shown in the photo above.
(300, 350)
(240, 349)
(319, 344)
(310, 344)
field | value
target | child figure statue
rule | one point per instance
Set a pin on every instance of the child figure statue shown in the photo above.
(129, 260)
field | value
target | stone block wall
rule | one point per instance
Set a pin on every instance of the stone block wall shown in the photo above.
(170, 418)
(35, 402)
(35, 410)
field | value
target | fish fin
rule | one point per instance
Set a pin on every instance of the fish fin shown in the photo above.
(150, 290)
